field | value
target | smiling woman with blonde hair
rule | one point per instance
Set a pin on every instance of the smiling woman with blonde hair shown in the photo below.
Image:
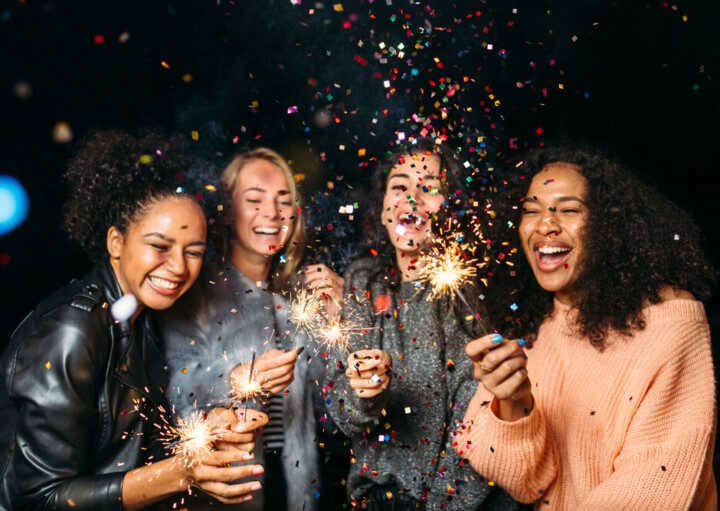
(237, 313)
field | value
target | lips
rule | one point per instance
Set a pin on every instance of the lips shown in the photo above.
(163, 286)
(551, 256)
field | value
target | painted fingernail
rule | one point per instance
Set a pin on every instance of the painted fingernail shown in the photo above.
(497, 338)
(255, 486)
(300, 349)
(257, 471)
(521, 342)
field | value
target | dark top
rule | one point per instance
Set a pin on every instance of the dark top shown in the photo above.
(79, 399)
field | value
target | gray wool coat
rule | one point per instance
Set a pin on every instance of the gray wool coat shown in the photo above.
(215, 327)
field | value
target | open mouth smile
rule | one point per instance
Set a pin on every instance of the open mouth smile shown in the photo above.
(164, 286)
(551, 257)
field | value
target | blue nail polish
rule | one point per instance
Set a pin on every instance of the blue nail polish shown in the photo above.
(521, 342)
(497, 338)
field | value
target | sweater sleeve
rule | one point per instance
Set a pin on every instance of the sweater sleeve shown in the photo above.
(519, 456)
(353, 414)
(666, 459)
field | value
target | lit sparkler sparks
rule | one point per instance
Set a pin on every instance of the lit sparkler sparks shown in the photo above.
(306, 311)
(244, 385)
(336, 333)
(447, 267)
(191, 440)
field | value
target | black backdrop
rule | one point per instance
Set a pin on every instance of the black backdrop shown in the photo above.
(639, 77)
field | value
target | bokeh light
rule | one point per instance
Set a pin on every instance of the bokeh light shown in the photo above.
(14, 204)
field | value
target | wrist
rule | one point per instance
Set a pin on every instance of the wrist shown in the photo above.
(511, 411)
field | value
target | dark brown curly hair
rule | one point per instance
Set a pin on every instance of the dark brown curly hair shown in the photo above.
(114, 174)
(636, 243)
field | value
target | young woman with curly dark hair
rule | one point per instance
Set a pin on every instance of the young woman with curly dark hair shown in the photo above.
(82, 393)
(613, 407)
(406, 382)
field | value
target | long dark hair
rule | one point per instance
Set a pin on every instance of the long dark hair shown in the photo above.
(635, 243)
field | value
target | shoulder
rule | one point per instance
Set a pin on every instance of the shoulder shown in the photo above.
(361, 271)
(67, 331)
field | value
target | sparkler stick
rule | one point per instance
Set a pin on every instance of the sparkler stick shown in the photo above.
(250, 375)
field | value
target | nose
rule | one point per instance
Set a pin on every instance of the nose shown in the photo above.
(176, 263)
(418, 195)
(549, 224)
(269, 209)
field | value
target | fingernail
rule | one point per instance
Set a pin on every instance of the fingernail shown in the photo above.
(246, 498)
(497, 338)
(255, 486)
(300, 349)
(521, 342)
(257, 471)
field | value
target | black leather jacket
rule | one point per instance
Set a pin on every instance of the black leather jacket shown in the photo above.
(79, 398)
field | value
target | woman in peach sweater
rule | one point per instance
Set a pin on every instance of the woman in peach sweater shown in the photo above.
(612, 406)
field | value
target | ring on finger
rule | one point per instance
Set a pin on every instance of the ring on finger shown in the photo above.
(480, 363)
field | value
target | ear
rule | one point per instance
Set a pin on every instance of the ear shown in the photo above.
(115, 241)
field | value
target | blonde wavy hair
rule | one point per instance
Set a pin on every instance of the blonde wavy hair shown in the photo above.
(281, 275)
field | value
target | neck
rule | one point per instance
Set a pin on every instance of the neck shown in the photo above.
(408, 272)
(563, 297)
(254, 266)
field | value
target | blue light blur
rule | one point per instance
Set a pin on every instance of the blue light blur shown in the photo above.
(14, 204)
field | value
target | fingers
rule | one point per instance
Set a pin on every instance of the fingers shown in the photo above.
(320, 272)
(513, 387)
(249, 420)
(222, 418)
(476, 349)
(275, 358)
(367, 360)
(226, 474)
(230, 493)
(495, 357)
(275, 375)
(377, 382)
(223, 458)
(236, 438)
(503, 371)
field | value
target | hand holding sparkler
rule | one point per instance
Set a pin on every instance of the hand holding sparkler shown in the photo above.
(326, 286)
(272, 372)
(237, 429)
(369, 372)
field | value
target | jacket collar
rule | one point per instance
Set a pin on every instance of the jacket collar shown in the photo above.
(103, 276)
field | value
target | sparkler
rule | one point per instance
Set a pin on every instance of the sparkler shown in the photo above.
(306, 312)
(447, 268)
(243, 385)
(191, 440)
(336, 333)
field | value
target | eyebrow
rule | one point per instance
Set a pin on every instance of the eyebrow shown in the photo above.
(263, 190)
(564, 198)
(172, 240)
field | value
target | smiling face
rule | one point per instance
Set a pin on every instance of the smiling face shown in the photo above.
(551, 226)
(413, 192)
(262, 211)
(160, 254)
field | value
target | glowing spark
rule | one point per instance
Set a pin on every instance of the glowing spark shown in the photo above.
(336, 333)
(446, 268)
(306, 311)
(191, 440)
(245, 386)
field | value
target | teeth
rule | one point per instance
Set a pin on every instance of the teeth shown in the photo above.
(410, 218)
(265, 230)
(553, 250)
(163, 283)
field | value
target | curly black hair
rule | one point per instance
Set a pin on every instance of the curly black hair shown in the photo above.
(114, 174)
(635, 243)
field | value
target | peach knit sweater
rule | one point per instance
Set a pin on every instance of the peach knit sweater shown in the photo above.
(628, 428)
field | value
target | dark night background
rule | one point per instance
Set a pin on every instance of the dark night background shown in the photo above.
(634, 76)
